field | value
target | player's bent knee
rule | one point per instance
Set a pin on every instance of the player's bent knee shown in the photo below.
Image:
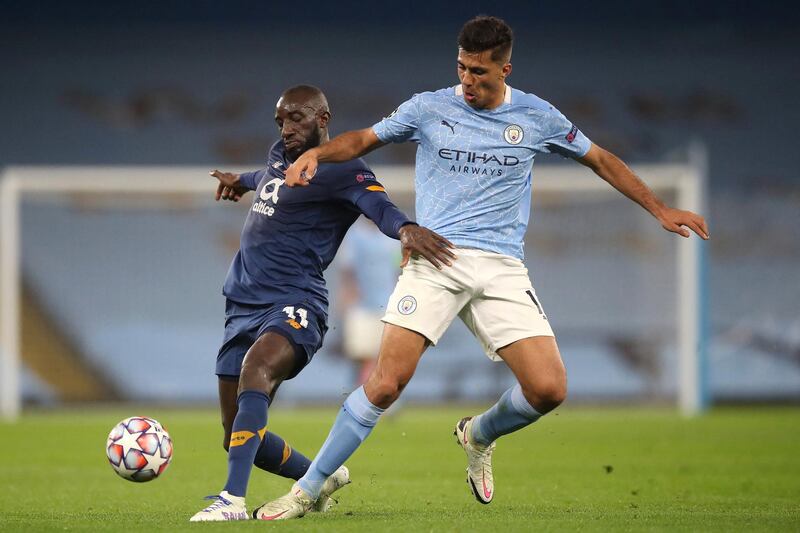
(262, 374)
(383, 393)
(546, 396)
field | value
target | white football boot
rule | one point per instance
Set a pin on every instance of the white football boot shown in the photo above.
(297, 503)
(293, 505)
(479, 462)
(225, 507)
(335, 481)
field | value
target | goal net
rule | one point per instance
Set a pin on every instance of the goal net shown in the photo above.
(111, 278)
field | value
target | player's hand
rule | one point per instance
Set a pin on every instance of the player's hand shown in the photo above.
(300, 173)
(677, 220)
(416, 240)
(228, 187)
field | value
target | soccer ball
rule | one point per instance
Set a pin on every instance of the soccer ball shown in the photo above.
(139, 449)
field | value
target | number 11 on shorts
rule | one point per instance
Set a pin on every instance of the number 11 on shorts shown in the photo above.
(290, 311)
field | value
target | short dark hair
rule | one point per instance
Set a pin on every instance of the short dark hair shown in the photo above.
(487, 33)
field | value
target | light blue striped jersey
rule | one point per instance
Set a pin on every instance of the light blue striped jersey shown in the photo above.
(473, 169)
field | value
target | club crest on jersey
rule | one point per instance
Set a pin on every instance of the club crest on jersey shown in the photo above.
(407, 305)
(513, 134)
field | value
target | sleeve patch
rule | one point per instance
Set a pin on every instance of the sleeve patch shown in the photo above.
(365, 176)
(376, 188)
(572, 133)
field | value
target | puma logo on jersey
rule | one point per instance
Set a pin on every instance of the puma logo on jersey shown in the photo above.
(452, 127)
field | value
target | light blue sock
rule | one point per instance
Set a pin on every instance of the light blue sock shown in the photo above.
(355, 421)
(511, 412)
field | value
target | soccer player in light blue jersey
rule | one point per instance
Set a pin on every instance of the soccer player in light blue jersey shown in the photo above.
(476, 146)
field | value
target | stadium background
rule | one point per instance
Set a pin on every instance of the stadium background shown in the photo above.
(94, 83)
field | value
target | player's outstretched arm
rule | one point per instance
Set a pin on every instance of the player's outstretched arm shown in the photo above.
(229, 186)
(343, 147)
(417, 240)
(618, 175)
(414, 239)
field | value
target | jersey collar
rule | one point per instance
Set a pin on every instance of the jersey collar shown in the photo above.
(506, 96)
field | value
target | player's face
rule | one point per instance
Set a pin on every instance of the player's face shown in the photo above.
(299, 125)
(482, 79)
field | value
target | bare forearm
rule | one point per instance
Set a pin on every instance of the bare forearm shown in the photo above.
(347, 146)
(613, 170)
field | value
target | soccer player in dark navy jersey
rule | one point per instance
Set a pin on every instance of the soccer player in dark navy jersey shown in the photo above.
(277, 303)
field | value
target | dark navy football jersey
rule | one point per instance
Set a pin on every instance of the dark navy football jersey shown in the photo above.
(292, 234)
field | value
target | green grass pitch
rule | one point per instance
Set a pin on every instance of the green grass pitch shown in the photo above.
(580, 469)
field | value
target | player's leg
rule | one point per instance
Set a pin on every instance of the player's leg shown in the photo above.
(280, 350)
(244, 418)
(228, 387)
(405, 337)
(267, 364)
(420, 309)
(541, 387)
(274, 455)
(510, 323)
(400, 352)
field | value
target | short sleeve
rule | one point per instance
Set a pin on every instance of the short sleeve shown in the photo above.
(560, 136)
(402, 125)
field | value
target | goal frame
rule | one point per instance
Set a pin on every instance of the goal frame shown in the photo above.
(16, 182)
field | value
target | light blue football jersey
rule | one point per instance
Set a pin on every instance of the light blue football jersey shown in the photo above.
(474, 167)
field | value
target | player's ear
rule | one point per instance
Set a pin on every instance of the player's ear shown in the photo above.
(323, 117)
(506, 70)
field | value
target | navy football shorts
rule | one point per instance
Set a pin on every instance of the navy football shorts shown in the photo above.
(245, 323)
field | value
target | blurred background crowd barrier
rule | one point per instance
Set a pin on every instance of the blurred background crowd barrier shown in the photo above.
(121, 292)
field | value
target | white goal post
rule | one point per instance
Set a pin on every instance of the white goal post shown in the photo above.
(686, 182)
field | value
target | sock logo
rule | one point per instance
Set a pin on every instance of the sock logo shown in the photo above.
(239, 438)
(287, 452)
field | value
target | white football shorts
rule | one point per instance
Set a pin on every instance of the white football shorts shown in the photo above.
(362, 333)
(490, 292)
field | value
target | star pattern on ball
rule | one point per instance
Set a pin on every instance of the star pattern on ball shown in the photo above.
(124, 471)
(128, 441)
(139, 449)
(154, 462)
